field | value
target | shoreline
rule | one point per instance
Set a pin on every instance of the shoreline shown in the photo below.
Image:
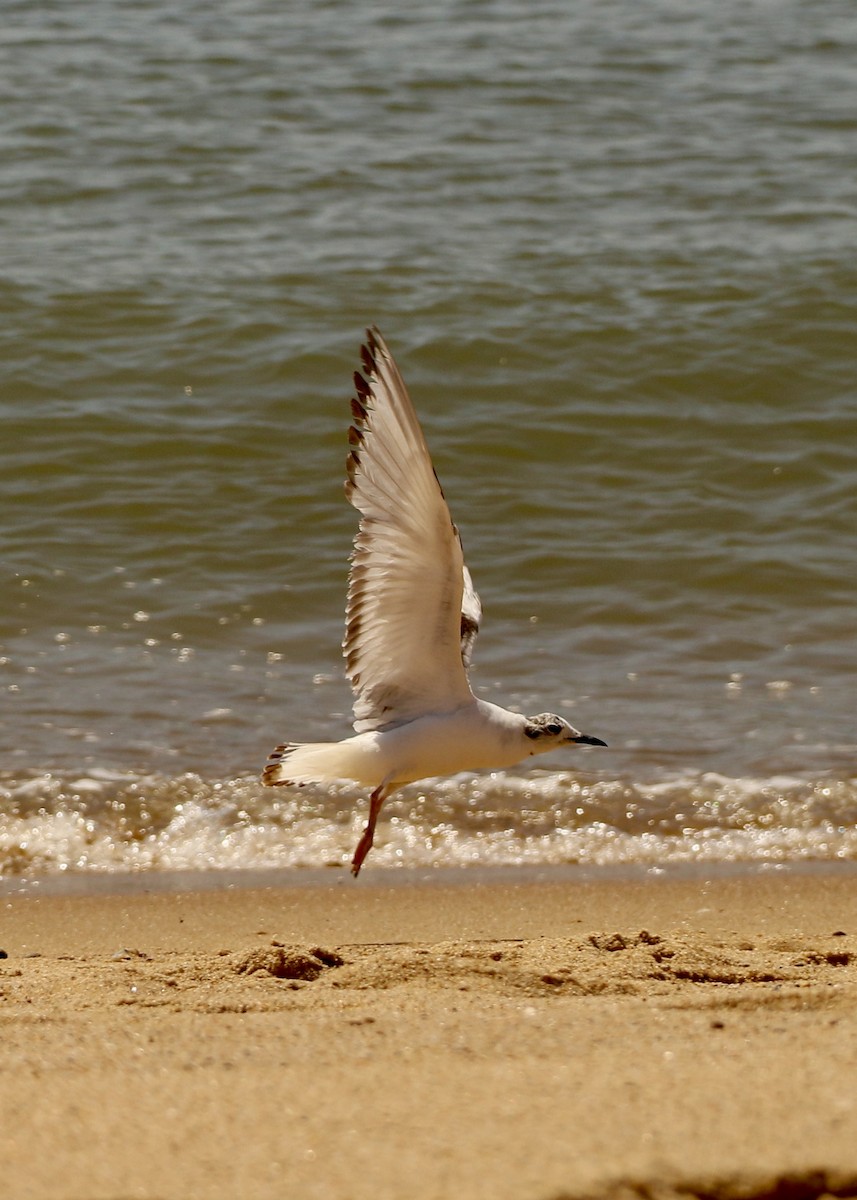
(107, 883)
(398, 907)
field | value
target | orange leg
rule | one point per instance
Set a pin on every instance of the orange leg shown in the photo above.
(365, 844)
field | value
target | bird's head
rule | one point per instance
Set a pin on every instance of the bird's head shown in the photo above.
(548, 731)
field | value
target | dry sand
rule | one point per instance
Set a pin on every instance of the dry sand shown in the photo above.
(457, 1040)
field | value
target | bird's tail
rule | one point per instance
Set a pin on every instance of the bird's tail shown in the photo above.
(310, 762)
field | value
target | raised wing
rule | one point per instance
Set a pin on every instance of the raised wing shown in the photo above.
(471, 615)
(412, 612)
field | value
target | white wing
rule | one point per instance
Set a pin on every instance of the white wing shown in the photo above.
(412, 613)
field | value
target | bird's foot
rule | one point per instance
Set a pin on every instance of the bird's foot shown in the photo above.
(363, 848)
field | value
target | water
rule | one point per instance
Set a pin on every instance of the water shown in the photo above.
(612, 249)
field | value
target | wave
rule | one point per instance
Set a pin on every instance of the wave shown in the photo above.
(108, 821)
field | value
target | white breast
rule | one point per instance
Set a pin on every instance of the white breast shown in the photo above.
(479, 736)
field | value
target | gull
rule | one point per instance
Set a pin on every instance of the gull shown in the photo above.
(411, 620)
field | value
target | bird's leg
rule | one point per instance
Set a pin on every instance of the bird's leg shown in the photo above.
(365, 844)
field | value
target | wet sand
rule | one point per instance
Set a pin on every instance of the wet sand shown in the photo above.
(484, 1038)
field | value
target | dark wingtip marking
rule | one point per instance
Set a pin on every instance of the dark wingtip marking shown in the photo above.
(355, 436)
(469, 627)
(268, 776)
(358, 412)
(367, 356)
(274, 764)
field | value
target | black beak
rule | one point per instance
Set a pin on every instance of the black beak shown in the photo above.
(585, 740)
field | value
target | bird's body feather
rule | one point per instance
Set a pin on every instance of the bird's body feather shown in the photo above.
(476, 737)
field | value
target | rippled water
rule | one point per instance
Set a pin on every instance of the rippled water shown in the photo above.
(612, 249)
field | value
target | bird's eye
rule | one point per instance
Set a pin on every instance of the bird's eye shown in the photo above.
(553, 728)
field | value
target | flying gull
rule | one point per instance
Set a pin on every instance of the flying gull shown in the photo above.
(411, 620)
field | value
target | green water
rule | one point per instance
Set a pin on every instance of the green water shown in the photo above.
(612, 249)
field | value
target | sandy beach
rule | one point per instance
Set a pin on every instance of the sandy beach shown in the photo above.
(473, 1036)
